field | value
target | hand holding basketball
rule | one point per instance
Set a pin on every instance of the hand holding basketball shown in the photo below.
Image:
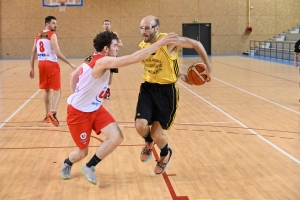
(184, 78)
(197, 74)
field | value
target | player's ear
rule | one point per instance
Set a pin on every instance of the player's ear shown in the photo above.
(106, 49)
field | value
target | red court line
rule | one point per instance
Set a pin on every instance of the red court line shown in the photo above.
(165, 176)
(9, 68)
(232, 132)
(286, 138)
(45, 128)
(187, 124)
(168, 182)
(238, 127)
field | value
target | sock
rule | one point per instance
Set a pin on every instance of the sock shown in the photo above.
(164, 151)
(68, 162)
(94, 161)
(148, 138)
(108, 87)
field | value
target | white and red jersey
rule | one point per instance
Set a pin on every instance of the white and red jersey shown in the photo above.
(89, 92)
(44, 48)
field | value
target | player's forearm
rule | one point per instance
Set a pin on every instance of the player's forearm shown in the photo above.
(32, 59)
(190, 43)
(62, 57)
(74, 78)
(144, 53)
(73, 81)
(201, 51)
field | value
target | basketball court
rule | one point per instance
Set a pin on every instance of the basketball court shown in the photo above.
(236, 137)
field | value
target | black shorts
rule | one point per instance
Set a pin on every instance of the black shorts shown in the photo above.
(114, 70)
(297, 47)
(158, 102)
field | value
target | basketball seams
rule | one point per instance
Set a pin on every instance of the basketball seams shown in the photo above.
(196, 73)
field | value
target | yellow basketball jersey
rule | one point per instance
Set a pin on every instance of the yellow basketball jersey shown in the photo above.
(160, 67)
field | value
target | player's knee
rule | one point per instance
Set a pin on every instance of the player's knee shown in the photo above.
(119, 137)
(82, 153)
(156, 135)
(115, 134)
(141, 125)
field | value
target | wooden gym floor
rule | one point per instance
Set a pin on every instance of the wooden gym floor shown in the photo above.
(237, 137)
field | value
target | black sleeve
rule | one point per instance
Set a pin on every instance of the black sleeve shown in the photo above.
(297, 47)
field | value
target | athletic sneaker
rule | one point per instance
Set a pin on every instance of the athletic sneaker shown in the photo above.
(146, 153)
(89, 173)
(163, 162)
(47, 120)
(52, 116)
(107, 93)
(65, 172)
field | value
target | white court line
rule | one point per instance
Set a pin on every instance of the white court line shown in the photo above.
(254, 94)
(244, 126)
(204, 123)
(1, 125)
(258, 96)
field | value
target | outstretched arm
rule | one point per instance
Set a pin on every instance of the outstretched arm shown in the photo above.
(185, 42)
(116, 62)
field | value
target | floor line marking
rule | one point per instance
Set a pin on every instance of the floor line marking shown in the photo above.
(11, 116)
(258, 96)
(243, 125)
(253, 94)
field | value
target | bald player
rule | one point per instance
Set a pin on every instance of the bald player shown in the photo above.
(158, 97)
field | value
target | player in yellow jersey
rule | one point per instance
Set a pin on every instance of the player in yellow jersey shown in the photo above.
(158, 97)
(107, 27)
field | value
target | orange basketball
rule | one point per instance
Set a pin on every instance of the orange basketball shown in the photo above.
(196, 74)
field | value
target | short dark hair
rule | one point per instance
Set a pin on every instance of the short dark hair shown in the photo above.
(104, 39)
(156, 22)
(49, 18)
(106, 21)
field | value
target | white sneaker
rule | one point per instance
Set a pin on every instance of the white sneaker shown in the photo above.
(89, 173)
(65, 172)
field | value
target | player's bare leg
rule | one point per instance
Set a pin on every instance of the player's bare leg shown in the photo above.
(143, 130)
(55, 99)
(47, 97)
(114, 139)
(162, 142)
(52, 114)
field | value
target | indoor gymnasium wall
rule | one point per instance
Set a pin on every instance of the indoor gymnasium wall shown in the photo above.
(21, 20)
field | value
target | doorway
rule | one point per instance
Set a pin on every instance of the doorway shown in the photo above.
(200, 32)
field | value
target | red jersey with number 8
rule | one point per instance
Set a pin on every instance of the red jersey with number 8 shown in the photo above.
(44, 48)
